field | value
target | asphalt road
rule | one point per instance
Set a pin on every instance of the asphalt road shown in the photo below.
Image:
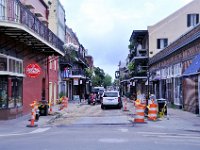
(91, 128)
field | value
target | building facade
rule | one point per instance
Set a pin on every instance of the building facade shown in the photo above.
(56, 24)
(25, 45)
(138, 63)
(73, 67)
(172, 27)
(176, 70)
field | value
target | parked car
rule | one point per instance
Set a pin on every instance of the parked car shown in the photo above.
(111, 98)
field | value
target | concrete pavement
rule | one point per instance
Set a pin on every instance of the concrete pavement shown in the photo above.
(176, 119)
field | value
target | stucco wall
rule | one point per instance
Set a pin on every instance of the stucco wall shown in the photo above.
(171, 27)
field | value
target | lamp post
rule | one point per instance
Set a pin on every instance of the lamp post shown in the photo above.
(117, 76)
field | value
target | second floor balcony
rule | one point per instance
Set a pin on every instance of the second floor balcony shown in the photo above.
(18, 22)
(73, 73)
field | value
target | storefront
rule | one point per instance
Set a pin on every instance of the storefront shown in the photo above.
(11, 85)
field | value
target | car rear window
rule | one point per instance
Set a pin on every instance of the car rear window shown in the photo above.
(110, 94)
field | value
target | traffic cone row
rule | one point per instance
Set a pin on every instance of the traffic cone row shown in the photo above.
(140, 111)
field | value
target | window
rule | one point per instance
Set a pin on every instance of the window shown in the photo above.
(55, 64)
(3, 91)
(3, 63)
(192, 20)
(50, 62)
(16, 12)
(2, 9)
(162, 43)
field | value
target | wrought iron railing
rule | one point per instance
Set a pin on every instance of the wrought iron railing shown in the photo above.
(76, 72)
(15, 11)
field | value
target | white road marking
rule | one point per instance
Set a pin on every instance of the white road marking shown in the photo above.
(39, 130)
(112, 140)
(123, 130)
(170, 135)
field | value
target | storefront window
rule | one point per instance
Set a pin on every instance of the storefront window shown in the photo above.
(15, 66)
(15, 98)
(3, 63)
(2, 9)
(3, 92)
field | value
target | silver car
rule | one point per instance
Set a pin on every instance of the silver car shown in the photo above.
(111, 98)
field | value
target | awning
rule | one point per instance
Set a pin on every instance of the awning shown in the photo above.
(194, 68)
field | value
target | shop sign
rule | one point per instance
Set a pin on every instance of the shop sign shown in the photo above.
(33, 70)
(76, 82)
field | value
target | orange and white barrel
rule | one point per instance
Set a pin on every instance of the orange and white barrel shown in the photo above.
(152, 113)
(139, 114)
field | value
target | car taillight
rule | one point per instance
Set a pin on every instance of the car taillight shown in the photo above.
(118, 99)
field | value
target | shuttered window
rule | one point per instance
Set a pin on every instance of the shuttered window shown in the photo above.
(162, 43)
(192, 20)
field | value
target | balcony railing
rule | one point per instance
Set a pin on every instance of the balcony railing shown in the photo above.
(65, 60)
(16, 12)
(77, 72)
(81, 58)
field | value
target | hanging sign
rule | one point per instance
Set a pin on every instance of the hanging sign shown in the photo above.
(33, 70)
(75, 81)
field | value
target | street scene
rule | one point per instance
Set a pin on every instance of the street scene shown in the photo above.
(83, 126)
(99, 75)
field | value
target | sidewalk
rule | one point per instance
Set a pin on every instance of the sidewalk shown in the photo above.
(177, 119)
(19, 125)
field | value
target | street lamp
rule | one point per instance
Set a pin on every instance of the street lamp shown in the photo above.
(117, 76)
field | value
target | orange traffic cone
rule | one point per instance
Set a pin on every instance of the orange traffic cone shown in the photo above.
(32, 124)
(125, 105)
(139, 118)
(50, 107)
(152, 113)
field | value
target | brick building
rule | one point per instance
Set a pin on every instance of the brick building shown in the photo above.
(25, 45)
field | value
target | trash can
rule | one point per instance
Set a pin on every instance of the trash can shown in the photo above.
(161, 104)
(43, 108)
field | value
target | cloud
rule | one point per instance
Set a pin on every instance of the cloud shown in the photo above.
(105, 26)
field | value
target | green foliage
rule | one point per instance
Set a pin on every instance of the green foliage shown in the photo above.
(131, 66)
(73, 55)
(131, 46)
(89, 72)
(61, 94)
(99, 78)
(107, 80)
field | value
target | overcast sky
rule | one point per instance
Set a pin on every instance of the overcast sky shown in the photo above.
(105, 26)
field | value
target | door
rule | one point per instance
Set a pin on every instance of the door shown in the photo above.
(50, 91)
(55, 93)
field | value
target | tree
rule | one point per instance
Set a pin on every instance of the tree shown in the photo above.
(89, 72)
(98, 78)
(107, 80)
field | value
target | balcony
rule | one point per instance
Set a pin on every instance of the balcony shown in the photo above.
(77, 73)
(19, 23)
(82, 59)
(65, 61)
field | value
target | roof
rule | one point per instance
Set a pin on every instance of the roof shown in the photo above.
(194, 68)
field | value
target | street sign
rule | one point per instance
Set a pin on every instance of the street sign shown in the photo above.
(33, 70)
